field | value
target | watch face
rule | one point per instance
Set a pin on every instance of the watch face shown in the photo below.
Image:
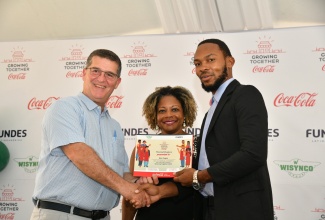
(196, 186)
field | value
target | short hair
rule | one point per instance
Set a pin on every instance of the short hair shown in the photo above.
(222, 45)
(107, 54)
(183, 95)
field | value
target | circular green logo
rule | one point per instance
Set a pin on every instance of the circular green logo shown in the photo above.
(4, 156)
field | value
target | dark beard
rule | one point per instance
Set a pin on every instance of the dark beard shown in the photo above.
(217, 83)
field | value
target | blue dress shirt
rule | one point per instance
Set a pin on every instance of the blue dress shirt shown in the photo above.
(71, 120)
(203, 160)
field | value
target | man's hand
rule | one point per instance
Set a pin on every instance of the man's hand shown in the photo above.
(153, 180)
(165, 190)
(152, 191)
(143, 199)
(148, 181)
(185, 176)
(136, 198)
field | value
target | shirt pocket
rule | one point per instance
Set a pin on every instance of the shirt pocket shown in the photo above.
(118, 155)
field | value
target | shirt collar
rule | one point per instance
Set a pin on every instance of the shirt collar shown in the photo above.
(90, 104)
(221, 89)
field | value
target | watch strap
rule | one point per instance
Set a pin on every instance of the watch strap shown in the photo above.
(195, 179)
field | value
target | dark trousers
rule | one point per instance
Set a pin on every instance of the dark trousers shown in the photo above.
(203, 207)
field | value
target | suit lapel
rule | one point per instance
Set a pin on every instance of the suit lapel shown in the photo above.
(223, 100)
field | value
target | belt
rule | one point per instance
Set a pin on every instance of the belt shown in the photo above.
(95, 214)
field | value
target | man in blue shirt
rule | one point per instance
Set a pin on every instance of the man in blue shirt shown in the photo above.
(83, 165)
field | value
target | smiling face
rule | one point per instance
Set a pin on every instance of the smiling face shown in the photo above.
(99, 89)
(212, 67)
(170, 115)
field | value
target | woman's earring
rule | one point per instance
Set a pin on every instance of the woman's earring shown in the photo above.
(184, 123)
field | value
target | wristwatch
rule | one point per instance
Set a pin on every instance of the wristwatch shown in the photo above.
(196, 185)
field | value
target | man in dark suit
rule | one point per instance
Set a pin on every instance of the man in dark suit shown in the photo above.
(231, 176)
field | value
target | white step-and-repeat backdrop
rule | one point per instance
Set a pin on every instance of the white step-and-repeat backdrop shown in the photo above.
(286, 65)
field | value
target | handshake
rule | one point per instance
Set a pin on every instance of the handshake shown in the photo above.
(146, 191)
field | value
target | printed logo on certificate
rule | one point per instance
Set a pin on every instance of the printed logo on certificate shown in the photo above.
(162, 154)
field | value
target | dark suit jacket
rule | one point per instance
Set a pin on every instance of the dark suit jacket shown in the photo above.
(236, 146)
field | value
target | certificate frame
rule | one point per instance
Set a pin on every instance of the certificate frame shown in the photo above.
(162, 154)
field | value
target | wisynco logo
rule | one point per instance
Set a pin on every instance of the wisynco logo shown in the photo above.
(7, 216)
(29, 164)
(140, 72)
(77, 74)
(17, 76)
(114, 102)
(302, 100)
(297, 168)
(41, 104)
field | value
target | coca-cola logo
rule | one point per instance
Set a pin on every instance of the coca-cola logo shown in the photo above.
(13, 76)
(71, 74)
(41, 104)
(302, 100)
(263, 69)
(140, 72)
(114, 102)
(323, 68)
(278, 207)
(7, 216)
(318, 210)
(194, 70)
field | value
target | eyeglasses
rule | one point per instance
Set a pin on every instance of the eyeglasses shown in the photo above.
(96, 72)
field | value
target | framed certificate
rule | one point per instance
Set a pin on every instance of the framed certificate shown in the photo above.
(162, 154)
